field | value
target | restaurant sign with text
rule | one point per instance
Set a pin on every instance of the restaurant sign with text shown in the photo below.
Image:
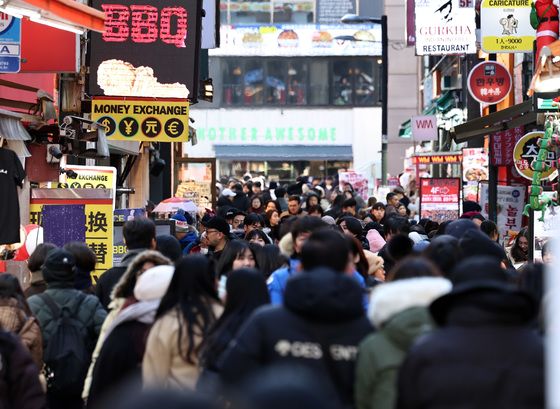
(444, 27)
(143, 119)
(489, 82)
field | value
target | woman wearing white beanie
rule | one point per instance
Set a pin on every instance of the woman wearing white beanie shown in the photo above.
(120, 359)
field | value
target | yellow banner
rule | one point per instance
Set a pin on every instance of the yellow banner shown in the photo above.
(99, 232)
(142, 119)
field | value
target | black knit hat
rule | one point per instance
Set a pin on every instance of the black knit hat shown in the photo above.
(475, 243)
(59, 267)
(353, 225)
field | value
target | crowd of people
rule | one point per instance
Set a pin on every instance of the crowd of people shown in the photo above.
(298, 296)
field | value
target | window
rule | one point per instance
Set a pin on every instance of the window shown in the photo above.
(267, 11)
(338, 81)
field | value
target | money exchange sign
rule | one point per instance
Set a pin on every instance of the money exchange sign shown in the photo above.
(143, 119)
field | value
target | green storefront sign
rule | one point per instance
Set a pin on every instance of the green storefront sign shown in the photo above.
(288, 135)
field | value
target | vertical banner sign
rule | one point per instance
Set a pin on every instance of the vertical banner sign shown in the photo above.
(475, 170)
(439, 198)
(149, 49)
(410, 24)
(511, 200)
(505, 26)
(424, 128)
(10, 43)
(489, 82)
(98, 226)
(443, 27)
(503, 144)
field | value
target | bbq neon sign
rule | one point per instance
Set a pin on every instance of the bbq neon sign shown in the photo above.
(145, 24)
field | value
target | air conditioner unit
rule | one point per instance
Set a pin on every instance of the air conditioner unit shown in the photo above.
(451, 82)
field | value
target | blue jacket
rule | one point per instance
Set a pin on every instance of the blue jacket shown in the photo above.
(277, 281)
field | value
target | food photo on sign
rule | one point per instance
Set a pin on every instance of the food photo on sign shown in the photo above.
(439, 198)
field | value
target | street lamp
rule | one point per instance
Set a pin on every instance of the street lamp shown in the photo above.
(355, 19)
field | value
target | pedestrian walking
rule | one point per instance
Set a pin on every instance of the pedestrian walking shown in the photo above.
(36, 260)
(185, 315)
(70, 322)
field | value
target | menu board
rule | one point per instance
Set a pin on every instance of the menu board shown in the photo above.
(475, 170)
(331, 11)
(195, 181)
(439, 198)
(510, 204)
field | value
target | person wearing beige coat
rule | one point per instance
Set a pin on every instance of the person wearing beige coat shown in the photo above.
(186, 313)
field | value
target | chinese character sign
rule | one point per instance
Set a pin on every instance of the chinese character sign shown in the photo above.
(439, 198)
(95, 221)
(526, 151)
(489, 82)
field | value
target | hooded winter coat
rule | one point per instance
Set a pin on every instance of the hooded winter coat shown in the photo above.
(318, 327)
(399, 310)
(485, 355)
(117, 302)
(13, 318)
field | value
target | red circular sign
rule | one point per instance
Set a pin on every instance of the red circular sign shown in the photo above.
(489, 82)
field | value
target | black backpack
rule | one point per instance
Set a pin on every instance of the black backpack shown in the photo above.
(67, 356)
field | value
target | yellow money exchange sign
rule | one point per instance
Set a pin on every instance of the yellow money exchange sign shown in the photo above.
(142, 119)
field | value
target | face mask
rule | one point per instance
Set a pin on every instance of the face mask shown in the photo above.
(204, 250)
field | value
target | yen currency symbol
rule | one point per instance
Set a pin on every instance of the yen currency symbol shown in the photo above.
(151, 127)
(174, 128)
(109, 124)
(128, 127)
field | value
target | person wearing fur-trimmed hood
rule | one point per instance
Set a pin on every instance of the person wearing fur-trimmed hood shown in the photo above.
(399, 311)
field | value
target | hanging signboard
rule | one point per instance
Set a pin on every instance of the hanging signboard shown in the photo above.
(489, 82)
(510, 204)
(503, 143)
(10, 43)
(90, 177)
(424, 128)
(148, 49)
(444, 158)
(526, 151)
(439, 198)
(442, 28)
(143, 119)
(505, 26)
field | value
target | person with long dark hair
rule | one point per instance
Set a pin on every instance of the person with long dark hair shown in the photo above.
(520, 250)
(246, 291)
(17, 318)
(184, 318)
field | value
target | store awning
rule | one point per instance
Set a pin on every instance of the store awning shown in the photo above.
(11, 127)
(70, 15)
(283, 152)
(509, 118)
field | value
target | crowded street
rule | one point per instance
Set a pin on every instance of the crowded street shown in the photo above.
(273, 204)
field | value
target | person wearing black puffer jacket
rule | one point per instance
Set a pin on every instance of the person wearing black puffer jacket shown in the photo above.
(485, 354)
(318, 327)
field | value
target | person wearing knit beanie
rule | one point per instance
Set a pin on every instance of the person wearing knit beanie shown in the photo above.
(58, 270)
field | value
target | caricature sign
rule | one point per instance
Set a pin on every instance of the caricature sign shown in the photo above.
(505, 26)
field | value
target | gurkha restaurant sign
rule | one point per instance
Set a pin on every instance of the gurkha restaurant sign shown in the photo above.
(444, 27)
(98, 226)
(143, 119)
(148, 49)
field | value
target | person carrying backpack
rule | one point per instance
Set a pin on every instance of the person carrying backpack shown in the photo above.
(70, 322)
